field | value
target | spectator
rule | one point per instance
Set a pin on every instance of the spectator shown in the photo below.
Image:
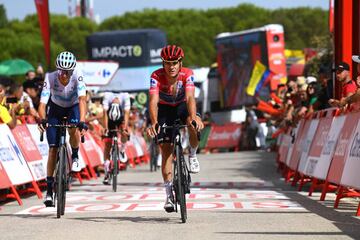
(354, 97)
(7, 116)
(32, 89)
(26, 105)
(207, 120)
(40, 71)
(30, 75)
(348, 85)
(312, 93)
(326, 89)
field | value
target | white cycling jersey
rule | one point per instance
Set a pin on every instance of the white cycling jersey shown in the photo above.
(123, 97)
(64, 96)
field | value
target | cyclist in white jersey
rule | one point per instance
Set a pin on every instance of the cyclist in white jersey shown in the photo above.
(117, 108)
(63, 95)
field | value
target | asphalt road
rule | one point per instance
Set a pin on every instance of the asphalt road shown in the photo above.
(235, 196)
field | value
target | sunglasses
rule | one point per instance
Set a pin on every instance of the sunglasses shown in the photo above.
(65, 72)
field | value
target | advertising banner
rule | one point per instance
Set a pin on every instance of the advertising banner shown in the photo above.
(319, 166)
(307, 144)
(350, 175)
(294, 134)
(30, 151)
(97, 73)
(12, 159)
(298, 145)
(226, 136)
(342, 147)
(284, 147)
(43, 146)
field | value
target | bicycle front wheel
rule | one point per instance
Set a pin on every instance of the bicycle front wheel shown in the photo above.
(60, 182)
(180, 186)
(115, 158)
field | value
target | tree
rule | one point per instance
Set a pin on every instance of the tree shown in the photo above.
(3, 18)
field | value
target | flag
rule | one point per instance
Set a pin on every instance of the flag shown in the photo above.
(265, 80)
(257, 73)
(42, 7)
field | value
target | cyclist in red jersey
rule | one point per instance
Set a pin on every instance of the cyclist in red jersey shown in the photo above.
(172, 97)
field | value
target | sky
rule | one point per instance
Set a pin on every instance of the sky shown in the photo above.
(107, 8)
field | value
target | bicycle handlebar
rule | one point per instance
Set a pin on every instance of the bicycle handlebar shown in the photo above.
(61, 126)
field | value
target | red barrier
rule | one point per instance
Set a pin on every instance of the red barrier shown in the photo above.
(226, 136)
(90, 154)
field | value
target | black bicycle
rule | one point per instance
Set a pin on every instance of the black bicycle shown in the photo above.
(181, 174)
(62, 168)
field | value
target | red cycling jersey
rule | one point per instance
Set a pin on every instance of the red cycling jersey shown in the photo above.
(159, 85)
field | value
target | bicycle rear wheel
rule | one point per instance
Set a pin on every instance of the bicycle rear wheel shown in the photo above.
(180, 195)
(115, 158)
(60, 182)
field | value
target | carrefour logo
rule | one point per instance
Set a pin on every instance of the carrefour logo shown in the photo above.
(117, 51)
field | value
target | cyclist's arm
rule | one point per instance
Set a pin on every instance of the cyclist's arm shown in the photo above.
(191, 103)
(153, 108)
(45, 95)
(82, 108)
(41, 110)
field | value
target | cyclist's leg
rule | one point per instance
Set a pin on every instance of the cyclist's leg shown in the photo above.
(194, 142)
(123, 139)
(52, 136)
(73, 114)
(166, 116)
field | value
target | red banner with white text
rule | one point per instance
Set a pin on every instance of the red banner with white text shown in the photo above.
(225, 136)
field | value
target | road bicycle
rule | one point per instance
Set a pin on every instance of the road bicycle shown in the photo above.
(115, 158)
(63, 165)
(181, 175)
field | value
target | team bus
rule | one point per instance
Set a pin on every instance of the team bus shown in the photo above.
(237, 54)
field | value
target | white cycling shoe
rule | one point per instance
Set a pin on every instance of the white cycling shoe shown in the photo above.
(123, 157)
(48, 200)
(194, 164)
(169, 205)
(75, 165)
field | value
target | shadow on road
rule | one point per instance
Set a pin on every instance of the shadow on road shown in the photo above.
(127, 219)
(263, 167)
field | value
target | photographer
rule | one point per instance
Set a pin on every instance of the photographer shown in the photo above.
(7, 116)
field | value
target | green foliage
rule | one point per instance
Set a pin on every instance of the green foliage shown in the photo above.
(194, 30)
(3, 18)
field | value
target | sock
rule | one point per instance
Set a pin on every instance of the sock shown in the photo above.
(168, 188)
(193, 151)
(74, 152)
(49, 183)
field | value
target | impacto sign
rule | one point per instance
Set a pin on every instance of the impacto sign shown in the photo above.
(117, 51)
(97, 73)
(130, 48)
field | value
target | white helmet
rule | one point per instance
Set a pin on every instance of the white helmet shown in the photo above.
(114, 112)
(65, 61)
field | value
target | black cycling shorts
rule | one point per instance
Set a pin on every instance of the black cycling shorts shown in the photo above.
(167, 115)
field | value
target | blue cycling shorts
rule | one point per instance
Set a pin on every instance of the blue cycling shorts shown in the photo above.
(55, 114)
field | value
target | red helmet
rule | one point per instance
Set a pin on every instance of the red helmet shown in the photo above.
(172, 53)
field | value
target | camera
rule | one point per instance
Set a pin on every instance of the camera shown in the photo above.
(11, 100)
